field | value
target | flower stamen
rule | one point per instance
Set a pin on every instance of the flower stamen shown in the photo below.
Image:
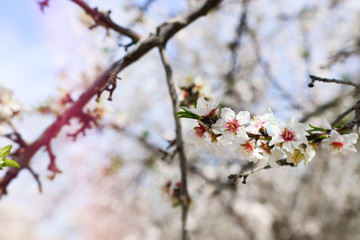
(232, 126)
(287, 135)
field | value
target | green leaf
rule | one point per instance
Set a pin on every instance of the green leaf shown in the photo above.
(10, 163)
(317, 128)
(5, 151)
(187, 114)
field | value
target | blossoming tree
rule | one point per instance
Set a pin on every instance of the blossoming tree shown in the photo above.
(230, 121)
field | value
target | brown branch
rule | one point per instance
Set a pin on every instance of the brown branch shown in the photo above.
(321, 108)
(105, 20)
(246, 174)
(179, 141)
(315, 78)
(352, 123)
(163, 34)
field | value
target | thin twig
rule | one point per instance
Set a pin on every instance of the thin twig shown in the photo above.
(244, 175)
(179, 141)
(344, 114)
(105, 20)
(356, 119)
(36, 177)
(315, 78)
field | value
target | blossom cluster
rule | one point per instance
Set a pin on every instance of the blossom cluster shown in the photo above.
(261, 137)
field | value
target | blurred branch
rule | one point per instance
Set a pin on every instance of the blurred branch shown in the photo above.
(179, 141)
(315, 78)
(163, 33)
(15, 135)
(105, 20)
(267, 71)
(143, 9)
(234, 177)
(341, 56)
(352, 123)
(323, 107)
(235, 46)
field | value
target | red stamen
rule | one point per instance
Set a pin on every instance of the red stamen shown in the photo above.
(212, 112)
(337, 146)
(287, 135)
(200, 130)
(232, 126)
(247, 148)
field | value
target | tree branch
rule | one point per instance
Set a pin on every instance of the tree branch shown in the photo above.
(356, 119)
(315, 78)
(246, 174)
(179, 141)
(105, 20)
(163, 33)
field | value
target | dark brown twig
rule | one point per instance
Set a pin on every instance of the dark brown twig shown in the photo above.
(315, 78)
(36, 177)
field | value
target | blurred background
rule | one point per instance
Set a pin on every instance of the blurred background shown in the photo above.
(115, 180)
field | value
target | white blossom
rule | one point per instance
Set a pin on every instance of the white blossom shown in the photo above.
(230, 126)
(304, 153)
(200, 136)
(262, 121)
(8, 106)
(289, 136)
(340, 143)
(249, 150)
(271, 155)
(206, 108)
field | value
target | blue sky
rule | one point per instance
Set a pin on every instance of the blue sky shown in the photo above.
(24, 57)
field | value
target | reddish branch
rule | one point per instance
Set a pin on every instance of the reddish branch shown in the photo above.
(163, 33)
(43, 4)
(105, 20)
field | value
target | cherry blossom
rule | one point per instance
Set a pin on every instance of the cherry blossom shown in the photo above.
(206, 108)
(201, 137)
(8, 106)
(304, 153)
(261, 122)
(249, 150)
(289, 136)
(340, 143)
(262, 138)
(230, 125)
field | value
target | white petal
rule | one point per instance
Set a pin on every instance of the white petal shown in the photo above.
(227, 114)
